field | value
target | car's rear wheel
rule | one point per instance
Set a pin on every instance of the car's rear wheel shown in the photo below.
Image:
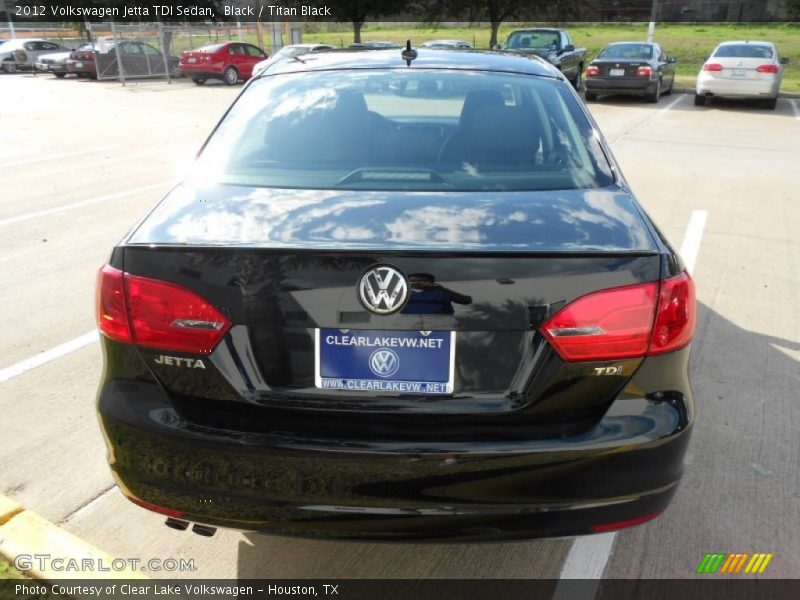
(699, 100)
(590, 96)
(59, 75)
(199, 80)
(230, 76)
(654, 97)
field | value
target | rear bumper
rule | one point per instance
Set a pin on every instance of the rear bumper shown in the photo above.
(620, 85)
(85, 66)
(625, 468)
(736, 88)
(52, 67)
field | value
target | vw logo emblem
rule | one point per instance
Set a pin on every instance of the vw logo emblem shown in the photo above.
(384, 362)
(383, 290)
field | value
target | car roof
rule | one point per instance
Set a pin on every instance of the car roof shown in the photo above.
(753, 42)
(427, 58)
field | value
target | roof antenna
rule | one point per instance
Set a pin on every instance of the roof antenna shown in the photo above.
(408, 53)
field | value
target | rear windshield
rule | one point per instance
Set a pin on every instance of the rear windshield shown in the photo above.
(634, 51)
(210, 48)
(743, 51)
(406, 130)
(533, 40)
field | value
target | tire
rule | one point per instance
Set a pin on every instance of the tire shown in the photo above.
(199, 81)
(699, 100)
(771, 103)
(230, 76)
(590, 96)
(576, 83)
(59, 75)
(653, 98)
(10, 67)
(671, 85)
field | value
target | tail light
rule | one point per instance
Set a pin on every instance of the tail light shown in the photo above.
(644, 71)
(767, 69)
(712, 67)
(592, 71)
(676, 315)
(156, 314)
(625, 322)
(616, 525)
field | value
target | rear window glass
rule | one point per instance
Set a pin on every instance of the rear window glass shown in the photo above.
(743, 51)
(627, 51)
(533, 40)
(210, 48)
(406, 130)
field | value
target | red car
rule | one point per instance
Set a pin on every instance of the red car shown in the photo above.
(228, 61)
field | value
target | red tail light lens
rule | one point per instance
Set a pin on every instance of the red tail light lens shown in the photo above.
(644, 72)
(625, 322)
(712, 67)
(605, 325)
(156, 314)
(592, 71)
(112, 318)
(676, 315)
(767, 69)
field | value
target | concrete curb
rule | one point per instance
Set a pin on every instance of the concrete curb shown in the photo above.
(23, 532)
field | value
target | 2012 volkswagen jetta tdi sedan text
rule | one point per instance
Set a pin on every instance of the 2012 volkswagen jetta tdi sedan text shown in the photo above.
(399, 297)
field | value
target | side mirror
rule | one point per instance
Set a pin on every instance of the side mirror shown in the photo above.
(569, 48)
(672, 60)
(496, 47)
(784, 61)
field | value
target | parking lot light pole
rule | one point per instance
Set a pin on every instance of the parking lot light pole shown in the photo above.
(651, 28)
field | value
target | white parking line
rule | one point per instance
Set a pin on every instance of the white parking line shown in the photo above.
(48, 355)
(692, 238)
(30, 161)
(672, 104)
(795, 108)
(668, 107)
(58, 209)
(588, 556)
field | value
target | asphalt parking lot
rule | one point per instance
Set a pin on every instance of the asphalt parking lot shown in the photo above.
(83, 161)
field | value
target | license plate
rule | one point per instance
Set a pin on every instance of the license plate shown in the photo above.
(616, 72)
(192, 60)
(738, 73)
(78, 65)
(400, 362)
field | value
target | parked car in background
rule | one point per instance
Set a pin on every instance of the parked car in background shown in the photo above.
(631, 68)
(56, 63)
(227, 61)
(446, 318)
(22, 53)
(288, 52)
(741, 69)
(446, 44)
(139, 59)
(555, 46)
(377, 45)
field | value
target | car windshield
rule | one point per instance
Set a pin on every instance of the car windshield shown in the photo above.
(624, 51)
(533, 40)
(431, 130)
(743, 51)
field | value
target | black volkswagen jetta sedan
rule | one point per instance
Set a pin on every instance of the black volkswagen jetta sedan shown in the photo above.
(369, 314)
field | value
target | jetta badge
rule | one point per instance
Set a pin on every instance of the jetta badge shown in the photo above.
(383, 289)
